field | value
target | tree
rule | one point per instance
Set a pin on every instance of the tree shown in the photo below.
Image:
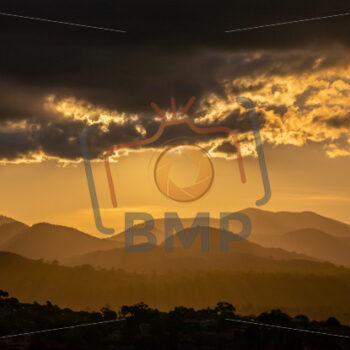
(225, 309)
(332, 321)
(3, 294)
(108, 314)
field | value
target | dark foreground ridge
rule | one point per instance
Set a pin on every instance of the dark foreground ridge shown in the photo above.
(146, 328)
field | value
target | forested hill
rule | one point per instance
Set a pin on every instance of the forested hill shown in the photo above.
(319, 290)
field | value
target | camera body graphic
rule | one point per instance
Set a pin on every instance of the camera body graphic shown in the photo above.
(192, 153)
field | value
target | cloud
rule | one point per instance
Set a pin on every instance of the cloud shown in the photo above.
(301, 95)
(315, 108)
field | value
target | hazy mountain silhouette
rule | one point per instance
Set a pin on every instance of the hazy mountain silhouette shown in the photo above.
(317, 289)
(311, 242)
(10, 230)
(267, 222)
(52, 242)
(345, 240)
(5, 220)
(263, 222)
(158, 230)
(241, 255)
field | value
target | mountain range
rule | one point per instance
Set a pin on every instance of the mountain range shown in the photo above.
(277, 223)
(312, 242)
(275, 236)
(243, 255)
(49, 242)
(291, 261)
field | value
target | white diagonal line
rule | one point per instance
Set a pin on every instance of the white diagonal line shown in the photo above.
(289, 22)
(288, 328)
(61, 22)
(60, 329)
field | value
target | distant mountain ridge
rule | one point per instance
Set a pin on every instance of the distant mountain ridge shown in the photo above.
(55, 242)
(291, 270)
(10, 230)
(312, 242)
(242, 255)
(267, 222)
(5, 220)
(52, 242)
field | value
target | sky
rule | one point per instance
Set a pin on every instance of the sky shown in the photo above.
(56, 80)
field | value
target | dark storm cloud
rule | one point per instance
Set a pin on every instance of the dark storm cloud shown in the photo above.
(278, 109)
(339, 122)
(175, 49)
(55, 140)
(58, 137)
(16, 144)
(226, 147)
